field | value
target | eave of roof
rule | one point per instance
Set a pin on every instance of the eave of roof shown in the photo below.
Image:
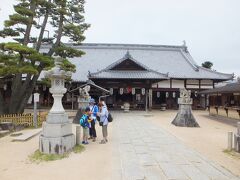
(229, 88)
(116, 74)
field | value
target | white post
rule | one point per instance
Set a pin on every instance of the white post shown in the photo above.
(35, 114)
(238, 128)
(230, 138)
(78, 135)
(235, 142)
(36, 99)
(238, 137)
(146, 105)
(150, 98)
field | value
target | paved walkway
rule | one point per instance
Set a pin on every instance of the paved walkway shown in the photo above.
(143, 151)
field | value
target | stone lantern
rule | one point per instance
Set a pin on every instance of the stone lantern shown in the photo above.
(57, 136)
(184, 116)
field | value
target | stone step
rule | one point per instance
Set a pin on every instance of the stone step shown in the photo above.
(7, 126)
(4, 132)
(27, 135)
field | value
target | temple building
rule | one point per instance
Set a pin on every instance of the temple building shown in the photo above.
(225, 101)
(142, 75)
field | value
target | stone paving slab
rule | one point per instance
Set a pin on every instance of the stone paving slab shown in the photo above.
(27, 135)
(150, 153)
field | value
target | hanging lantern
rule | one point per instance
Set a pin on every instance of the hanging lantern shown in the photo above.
(129, 90)
(195, 93)
(167, 94)
(111, 91)
(5, 87)
(158, 94)
(143, 91)
(121, 91)
(133, 91)
(174, 94)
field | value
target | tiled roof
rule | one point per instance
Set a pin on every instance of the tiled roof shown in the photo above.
(229, 88)
(172, 60)
(112, 74)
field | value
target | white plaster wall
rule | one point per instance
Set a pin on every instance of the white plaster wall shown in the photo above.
(177, 83)
(164, 84)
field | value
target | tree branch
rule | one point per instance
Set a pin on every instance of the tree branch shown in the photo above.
(59, 36)
(29, 26)
(43, 27)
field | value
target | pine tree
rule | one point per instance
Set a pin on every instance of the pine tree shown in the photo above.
(21, 62)
(207, 64)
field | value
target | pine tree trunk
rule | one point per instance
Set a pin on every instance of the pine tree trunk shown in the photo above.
(15, 94)
(20, 93)
(2, 105)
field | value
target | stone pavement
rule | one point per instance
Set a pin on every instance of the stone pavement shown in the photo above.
(143, 151)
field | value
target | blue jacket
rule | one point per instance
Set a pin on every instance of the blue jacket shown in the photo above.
(94, 109)
(84, 121)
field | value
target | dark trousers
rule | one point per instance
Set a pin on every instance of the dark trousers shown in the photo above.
(92, 130)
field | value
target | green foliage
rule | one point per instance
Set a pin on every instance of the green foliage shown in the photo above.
(207, 64)
(38, 157)
(75, 32)
(21, 40)
(64, 51)
(17, 48)
(60, 18)
(17, 19)
(23, 10)
(8, 32)
(78, 149)
(68, 66)
(43, 59)
(45, 81)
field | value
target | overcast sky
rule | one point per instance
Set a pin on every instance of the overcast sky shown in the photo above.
(210, 28)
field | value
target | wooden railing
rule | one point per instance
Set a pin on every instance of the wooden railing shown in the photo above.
(231, 112)
(24, 119)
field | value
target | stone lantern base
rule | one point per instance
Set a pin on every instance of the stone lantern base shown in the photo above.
(185, 117)
(57, 136)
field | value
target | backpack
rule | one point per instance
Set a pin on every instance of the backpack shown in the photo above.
(82, 121)
(110, 118)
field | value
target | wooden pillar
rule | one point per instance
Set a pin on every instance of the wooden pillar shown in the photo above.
(150, 98)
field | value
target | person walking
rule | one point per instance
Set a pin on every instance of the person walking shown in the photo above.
(94, 111)
(103, 114)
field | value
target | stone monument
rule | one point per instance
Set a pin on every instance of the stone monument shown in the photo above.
(184, 116)
(57, 136)
(83, 102)
(84, 97)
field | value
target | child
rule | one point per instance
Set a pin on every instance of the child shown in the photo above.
(85, 123)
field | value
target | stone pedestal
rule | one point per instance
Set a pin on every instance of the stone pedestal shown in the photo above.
(184, 116)
(83, 103)
(126, 107)
(57, 136)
